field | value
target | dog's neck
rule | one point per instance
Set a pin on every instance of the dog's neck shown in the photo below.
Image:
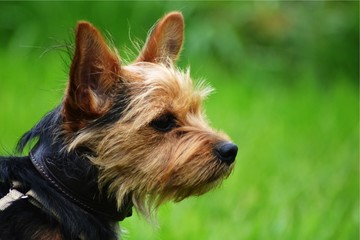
(71, 173)
(76, 179)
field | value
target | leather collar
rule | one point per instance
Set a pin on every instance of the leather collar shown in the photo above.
(82, 190)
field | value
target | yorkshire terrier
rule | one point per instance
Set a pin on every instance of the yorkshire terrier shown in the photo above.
(123, 137)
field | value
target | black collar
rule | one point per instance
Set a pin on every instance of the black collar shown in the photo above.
(80, 188)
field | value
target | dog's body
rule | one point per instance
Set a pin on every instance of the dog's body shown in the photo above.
(123, 137)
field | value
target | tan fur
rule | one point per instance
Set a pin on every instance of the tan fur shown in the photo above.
(133, 157)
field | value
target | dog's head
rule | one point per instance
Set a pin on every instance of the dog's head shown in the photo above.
(143, 122)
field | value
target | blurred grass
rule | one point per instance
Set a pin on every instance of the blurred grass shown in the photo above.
(286, 79)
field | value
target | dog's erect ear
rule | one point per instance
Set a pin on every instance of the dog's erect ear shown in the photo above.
(94, 70)
(165, 40)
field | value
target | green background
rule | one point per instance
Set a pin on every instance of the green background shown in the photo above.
(286, 77)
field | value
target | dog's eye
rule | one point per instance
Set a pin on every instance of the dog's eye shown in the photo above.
(164, 123)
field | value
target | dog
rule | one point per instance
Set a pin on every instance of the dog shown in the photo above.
(124, 137)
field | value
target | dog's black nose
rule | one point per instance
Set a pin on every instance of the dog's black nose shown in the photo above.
(226, 152)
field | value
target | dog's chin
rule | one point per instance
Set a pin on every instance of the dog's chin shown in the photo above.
(177, 185)
(198, 190)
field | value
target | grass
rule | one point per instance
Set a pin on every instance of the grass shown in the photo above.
(296, 176)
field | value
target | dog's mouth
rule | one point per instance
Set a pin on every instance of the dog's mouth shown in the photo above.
(196, 181)
(220, 170)
(180, 192)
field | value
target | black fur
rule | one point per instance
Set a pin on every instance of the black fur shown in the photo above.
(59, 217)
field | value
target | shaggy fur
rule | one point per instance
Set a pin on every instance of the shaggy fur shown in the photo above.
(123, 137)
